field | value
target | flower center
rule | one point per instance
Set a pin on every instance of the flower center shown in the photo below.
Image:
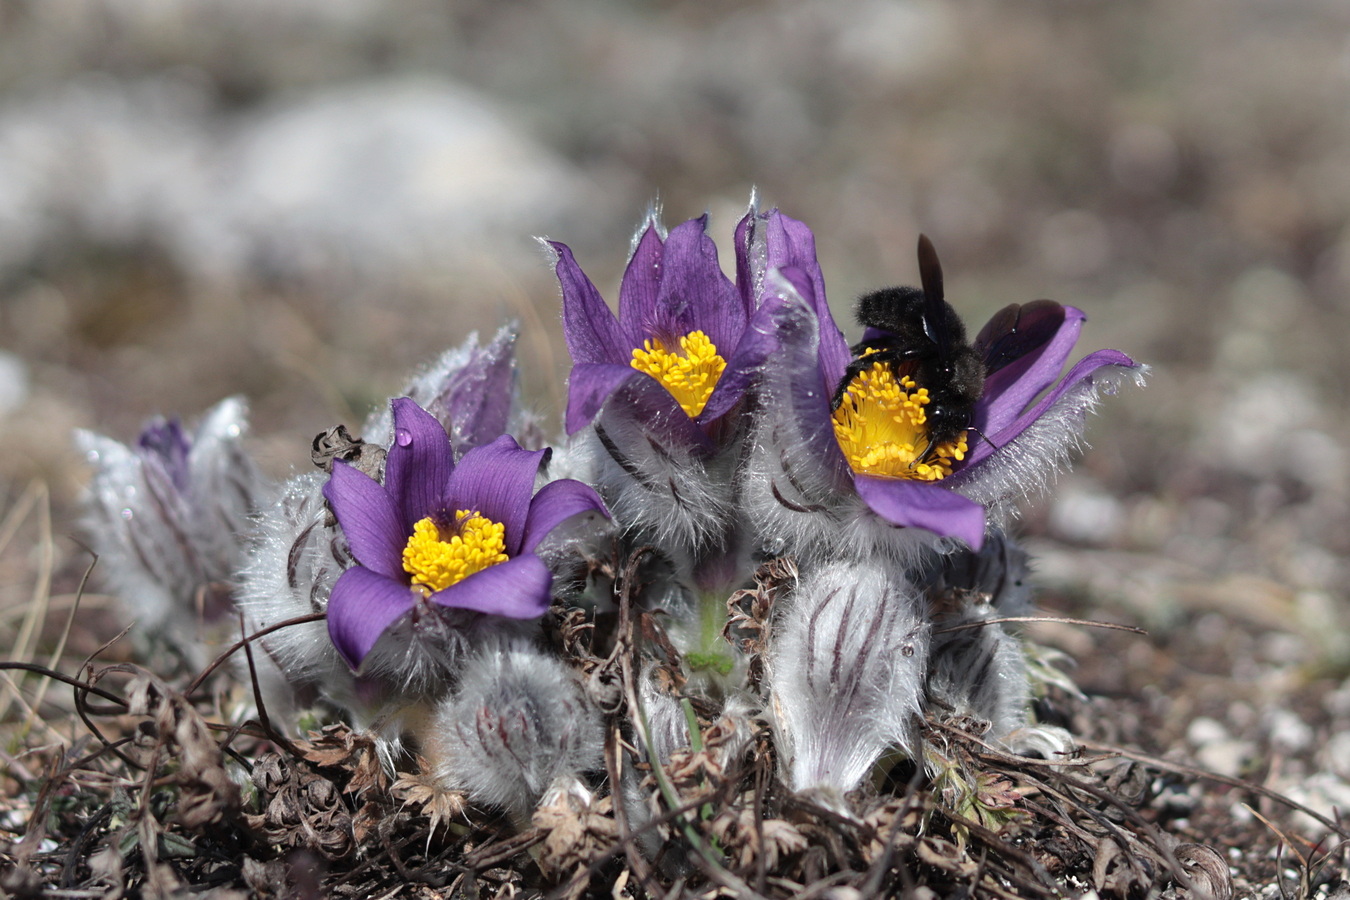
(437, 556)
(882, 428)
(690, 375)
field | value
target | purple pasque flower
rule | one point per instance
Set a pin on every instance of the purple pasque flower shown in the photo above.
(687, 342)
(659, 382)
(819, 490)
(443, 534)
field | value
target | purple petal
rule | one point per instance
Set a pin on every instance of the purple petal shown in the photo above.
(496, 481)
(477, 396)
(919, 504)
(1008, 390)
(797, 394)
(366, 512)
(589, 326)
(758, 342)
(556, 502)
(749, 271)
(1081, 371)
(589, 386)
(640, 287)
(695, 295)
(791, 245)
(163, 442)
(517, 589)
(419, 464)
(361, 607)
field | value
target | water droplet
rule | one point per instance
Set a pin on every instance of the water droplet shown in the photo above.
(127, 514)
(233, 431)
(403, 436)
(92, 457)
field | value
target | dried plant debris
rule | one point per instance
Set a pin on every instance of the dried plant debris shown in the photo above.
(163, 802)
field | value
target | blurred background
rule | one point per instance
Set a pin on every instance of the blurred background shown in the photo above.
(301, 200)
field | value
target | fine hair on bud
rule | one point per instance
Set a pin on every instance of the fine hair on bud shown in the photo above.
(169, 516)
(672, 495)
(846, 674)
(518, 723)
(977, 668)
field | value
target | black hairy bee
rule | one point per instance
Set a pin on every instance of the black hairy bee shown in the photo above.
(918, 333)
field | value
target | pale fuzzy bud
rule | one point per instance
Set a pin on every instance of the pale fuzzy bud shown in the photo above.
(518, 724)
(977, 668)
(665, 727)
(846, 674)
(169, 518)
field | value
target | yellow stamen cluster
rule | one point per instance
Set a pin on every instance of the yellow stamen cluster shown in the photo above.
(437, 558)
(882, 428)
(690, 375)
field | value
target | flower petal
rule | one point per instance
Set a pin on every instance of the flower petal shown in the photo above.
(791, 245)
(366, 512)
(556, 502)
(164, 444)
(1008, 390)
(793, 376)
(419, 464)
(361, 607)
(497, 481)
(922, 505)
(1081, 371)
(477, 396)
(749, 259)
(588, 388)
(640, 287)
(695, 295)
(589, 326)
(758, 342)
(647, 403)
(519, 588)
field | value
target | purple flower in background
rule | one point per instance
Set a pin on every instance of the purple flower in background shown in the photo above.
(818, 459)
(470, 389)
(438, 533)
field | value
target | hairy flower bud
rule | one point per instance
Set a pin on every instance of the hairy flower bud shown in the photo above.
(169, 518)
(517, 724)
(846, 674)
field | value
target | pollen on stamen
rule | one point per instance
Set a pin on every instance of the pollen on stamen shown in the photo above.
(439, 556)
(881, 426)
(689, 374)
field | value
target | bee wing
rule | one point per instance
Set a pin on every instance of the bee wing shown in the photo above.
(1017, 330)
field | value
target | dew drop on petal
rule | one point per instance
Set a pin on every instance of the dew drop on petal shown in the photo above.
(127, 514)
(403, 436)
